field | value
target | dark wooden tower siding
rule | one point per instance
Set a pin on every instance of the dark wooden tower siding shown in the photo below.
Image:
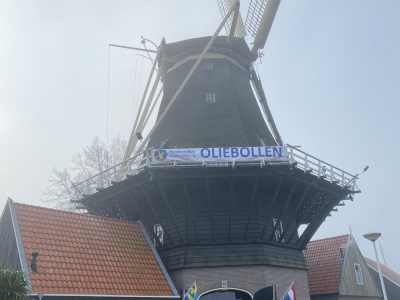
(220, 216)
(233, 120)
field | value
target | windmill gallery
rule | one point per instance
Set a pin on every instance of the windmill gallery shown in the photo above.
(222, 206)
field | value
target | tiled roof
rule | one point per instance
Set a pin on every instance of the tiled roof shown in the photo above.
(324, 258)
(387, 272)
(83, 254)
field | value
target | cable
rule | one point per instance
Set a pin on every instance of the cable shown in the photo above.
(137, 96)
(387, 255)
(134, 89)
(108, 96)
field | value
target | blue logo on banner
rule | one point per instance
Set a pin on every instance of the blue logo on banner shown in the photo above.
(160, 154)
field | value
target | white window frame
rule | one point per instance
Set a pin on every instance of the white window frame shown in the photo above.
(159, 232)
(208, 65)
(359, 276)
(210, 97)
(278, 231)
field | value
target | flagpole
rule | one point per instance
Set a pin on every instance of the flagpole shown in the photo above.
(284, 295)
(188, 295)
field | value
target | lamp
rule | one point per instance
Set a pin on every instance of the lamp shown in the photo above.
(373, 236)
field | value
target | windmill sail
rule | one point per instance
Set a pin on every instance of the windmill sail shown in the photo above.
(254, 15)
(224, 6)
(259, 20)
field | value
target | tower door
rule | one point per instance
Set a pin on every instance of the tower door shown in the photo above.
(229, 294)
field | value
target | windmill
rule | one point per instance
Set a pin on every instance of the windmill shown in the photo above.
(231, 225)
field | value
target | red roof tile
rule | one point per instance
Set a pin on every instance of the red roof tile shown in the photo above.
(83, 254)
(326, 264)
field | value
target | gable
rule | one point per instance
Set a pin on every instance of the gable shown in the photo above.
(348, 284)
(9, 255)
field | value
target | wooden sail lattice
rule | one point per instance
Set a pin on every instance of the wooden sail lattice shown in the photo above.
(254, 16)
(223, 8)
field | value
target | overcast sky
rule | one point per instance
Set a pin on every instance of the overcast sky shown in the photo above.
(331, 74)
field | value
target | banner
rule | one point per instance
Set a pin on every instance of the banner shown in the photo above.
(227, 154)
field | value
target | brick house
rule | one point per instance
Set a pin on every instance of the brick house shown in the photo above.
(72, 256)
(338, 270)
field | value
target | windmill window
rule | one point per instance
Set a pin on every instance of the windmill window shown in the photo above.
(208, 66)
(210, 96)
(342, 252)
(278, 231)
(359, 277)
(158, 230)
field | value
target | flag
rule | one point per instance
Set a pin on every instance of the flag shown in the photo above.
(192, 293)
(291, 293)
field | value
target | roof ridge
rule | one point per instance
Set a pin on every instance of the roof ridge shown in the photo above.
(330, 238)
(72, 212)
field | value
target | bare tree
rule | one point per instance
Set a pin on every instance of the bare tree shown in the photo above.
(92, 160)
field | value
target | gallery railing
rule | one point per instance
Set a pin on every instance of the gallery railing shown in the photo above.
(143, 160)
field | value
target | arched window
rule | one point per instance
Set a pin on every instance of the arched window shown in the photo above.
(229, 294)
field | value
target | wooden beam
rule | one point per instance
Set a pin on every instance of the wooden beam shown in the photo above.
(233, 24)
(133, 138)
(132, 48)
(163, 68)
(271, 205)
(144, 220)
(164, 196)
(285, 206)
(210, 209)
(295, 211)
(304, 216)
(202, 173)
(317, 209)
(318, 186)
(264, 105)
(159, 220)
(320, 216)
(190, 210)
(230, 208)
(253, 195)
